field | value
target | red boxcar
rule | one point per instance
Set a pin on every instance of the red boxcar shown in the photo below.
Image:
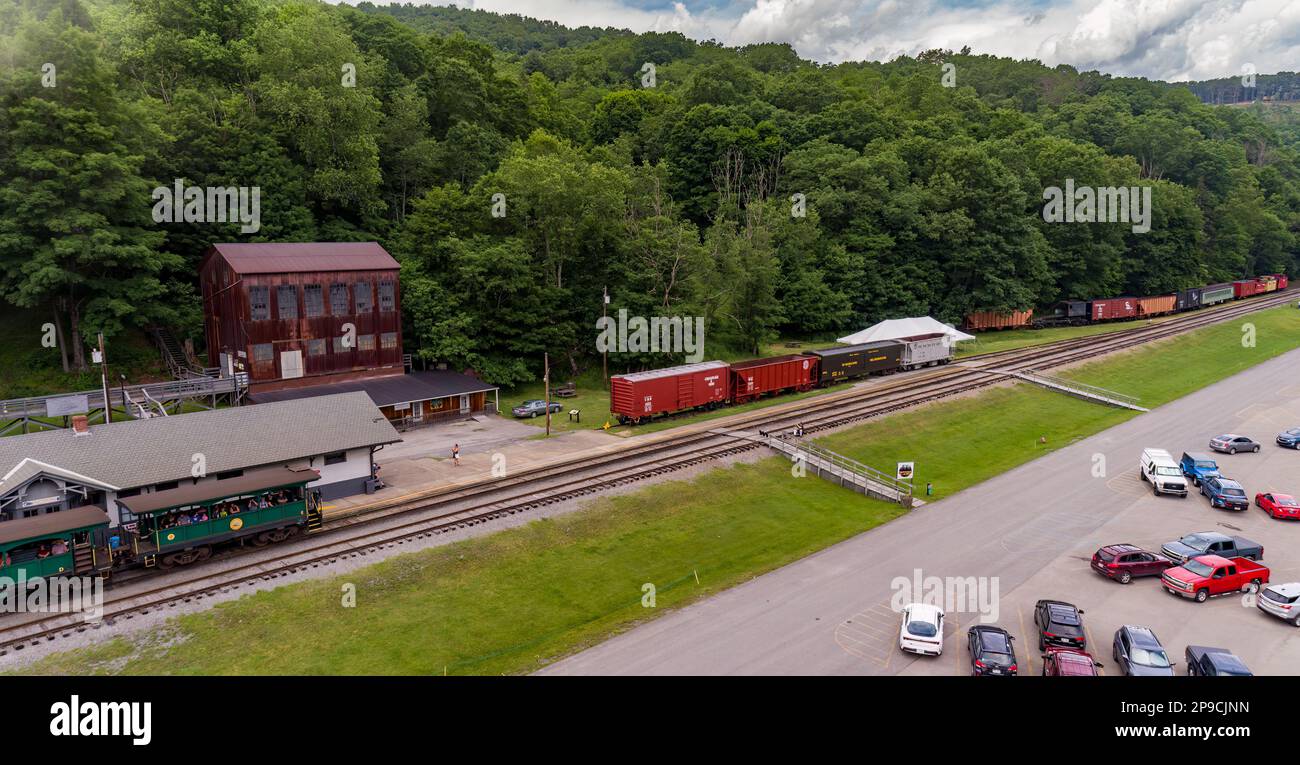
(1154, 306)
(642, 395)
(751, 379)
(997, 320)
(1244, 288)
(1114, 308)
(1281, 281)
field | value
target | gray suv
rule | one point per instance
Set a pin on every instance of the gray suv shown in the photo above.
(1139, 653)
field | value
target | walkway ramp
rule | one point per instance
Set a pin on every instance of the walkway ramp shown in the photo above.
(1073, 388)
(835, 467)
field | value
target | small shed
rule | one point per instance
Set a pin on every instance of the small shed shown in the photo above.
(408, 400)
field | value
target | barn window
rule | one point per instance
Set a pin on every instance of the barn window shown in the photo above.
(388, 340)
(263, 352)
(364, 295)
(386, 292)
(339, 346)
(286, 297)
(166, 485)
(365, 342)
(313, 301)
(338, 300)
(316, 347)
(335, 458)
(259, 303)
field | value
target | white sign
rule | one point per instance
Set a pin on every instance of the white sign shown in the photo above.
(905, 470)
(65, 405)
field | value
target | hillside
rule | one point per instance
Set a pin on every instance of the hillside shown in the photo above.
(517, 168)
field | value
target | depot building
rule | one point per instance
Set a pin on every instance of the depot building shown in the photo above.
(54, 470)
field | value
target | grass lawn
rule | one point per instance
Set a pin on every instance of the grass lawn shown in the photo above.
(511, 601)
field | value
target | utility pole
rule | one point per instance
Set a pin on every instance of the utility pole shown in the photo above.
(604, 306)
(546, 381)
(103, 377)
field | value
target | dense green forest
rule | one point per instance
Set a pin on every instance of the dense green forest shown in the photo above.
(764, 192)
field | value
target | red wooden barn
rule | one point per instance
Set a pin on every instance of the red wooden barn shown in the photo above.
(302, 313)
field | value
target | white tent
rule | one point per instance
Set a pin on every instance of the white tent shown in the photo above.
(893, 329)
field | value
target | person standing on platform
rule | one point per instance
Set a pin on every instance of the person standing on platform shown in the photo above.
(455, 454)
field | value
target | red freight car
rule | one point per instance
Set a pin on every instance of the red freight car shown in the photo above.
(1265, 284)
(642, 395)
(998, 320)
(751, 379)
(1114, 308)
(1281, 281)
(1244, 288)
(1154, 306)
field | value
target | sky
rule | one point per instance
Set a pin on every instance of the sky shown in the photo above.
(1170, 40)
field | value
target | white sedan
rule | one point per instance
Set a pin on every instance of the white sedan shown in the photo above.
(922, 630)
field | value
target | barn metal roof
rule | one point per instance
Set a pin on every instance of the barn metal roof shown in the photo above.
(298, 257)
(126, 455)
(390, 389)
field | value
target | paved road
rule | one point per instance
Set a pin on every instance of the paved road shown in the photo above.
(1030, 532)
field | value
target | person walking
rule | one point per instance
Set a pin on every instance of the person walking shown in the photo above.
(455, 454)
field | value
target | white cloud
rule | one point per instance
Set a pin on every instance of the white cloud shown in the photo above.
(1163, 39)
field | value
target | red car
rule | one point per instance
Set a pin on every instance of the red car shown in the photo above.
(1069, 662)
(1278, 505)
(1124, 562)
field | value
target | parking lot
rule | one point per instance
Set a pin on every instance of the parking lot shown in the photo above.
(1268, 645)
(1030, 533)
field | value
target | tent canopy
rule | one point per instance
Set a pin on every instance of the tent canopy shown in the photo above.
(893, 329)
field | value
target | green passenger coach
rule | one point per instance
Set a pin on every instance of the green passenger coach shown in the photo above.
(164, 528)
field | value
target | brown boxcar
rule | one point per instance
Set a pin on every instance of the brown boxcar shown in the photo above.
(998, 320)
(1244, 288)
(1114, 308)
(639, 396)
(1154, 306)
(751, 379)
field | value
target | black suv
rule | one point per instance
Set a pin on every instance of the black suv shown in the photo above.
(991, 651)
(1059, 623)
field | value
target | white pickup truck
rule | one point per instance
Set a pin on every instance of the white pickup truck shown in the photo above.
(1158, 468)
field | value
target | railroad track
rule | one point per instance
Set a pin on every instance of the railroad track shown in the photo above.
(445, 510)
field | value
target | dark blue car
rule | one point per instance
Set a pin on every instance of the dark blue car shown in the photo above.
(1289, 438)
(1225, 493)
(1198, 466)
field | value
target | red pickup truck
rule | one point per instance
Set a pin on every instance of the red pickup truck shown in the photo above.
(1208, 575)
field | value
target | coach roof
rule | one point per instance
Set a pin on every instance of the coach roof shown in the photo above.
(126, 455)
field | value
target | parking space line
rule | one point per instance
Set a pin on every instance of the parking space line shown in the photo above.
(1020, 615)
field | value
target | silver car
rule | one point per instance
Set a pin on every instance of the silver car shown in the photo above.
(1282, 601)
(1231, 443)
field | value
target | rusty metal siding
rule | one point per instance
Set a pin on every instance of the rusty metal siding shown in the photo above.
(229, 326)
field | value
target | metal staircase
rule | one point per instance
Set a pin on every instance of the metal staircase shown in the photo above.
(1073, 388)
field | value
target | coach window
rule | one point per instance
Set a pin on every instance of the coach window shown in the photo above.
(286, 298)
(259, 303)
(363, 293)
(313, 301)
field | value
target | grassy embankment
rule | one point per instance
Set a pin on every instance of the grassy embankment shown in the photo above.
(511, 601)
